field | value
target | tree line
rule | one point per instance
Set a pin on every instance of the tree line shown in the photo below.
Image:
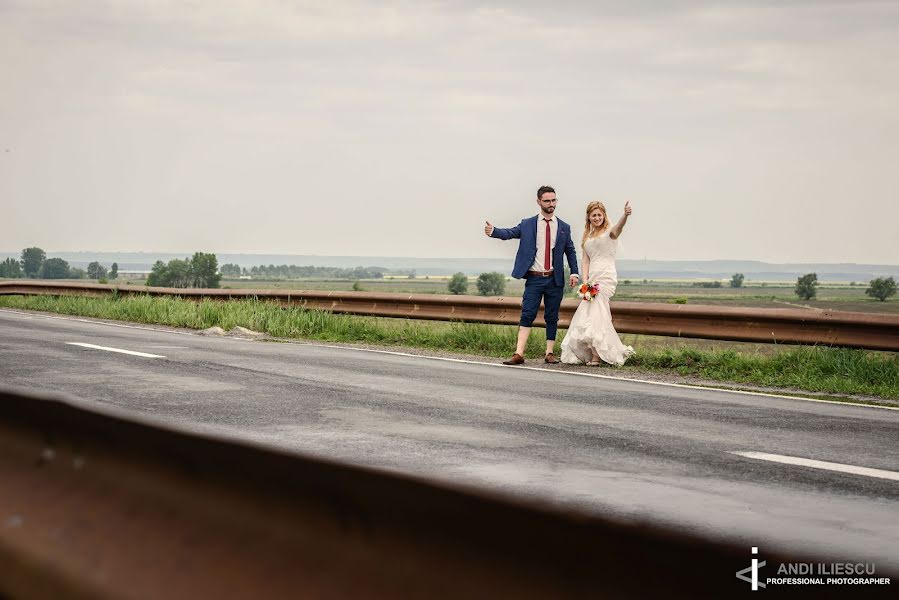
(34, 264)
(296, 272)
(202, 270)
(199, 271)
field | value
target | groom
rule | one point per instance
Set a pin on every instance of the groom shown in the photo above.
(544, 238)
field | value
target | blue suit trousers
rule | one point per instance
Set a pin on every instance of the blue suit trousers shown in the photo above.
(547, 290)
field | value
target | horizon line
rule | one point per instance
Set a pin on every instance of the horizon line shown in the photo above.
(480, 258)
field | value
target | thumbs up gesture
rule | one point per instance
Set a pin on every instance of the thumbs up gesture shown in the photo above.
(488, 228)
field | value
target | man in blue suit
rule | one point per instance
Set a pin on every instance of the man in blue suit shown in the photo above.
(544, 239)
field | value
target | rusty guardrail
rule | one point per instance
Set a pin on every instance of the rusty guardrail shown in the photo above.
(764, 325)
(100, 505)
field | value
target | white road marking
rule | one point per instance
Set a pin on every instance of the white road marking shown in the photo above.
(119, 350)
(820, 464)
(473, 362)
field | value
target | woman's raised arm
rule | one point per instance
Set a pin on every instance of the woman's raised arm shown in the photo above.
(619, 226)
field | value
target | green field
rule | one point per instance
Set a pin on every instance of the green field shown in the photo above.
(773, 295)
(767, 295)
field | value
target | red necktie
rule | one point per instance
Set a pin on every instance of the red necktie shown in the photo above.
(546, 263)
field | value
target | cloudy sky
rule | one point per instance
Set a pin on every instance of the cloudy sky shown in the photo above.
(739, 130)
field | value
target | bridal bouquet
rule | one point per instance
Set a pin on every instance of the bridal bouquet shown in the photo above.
(588, 291)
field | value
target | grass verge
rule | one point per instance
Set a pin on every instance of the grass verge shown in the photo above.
(814, 369)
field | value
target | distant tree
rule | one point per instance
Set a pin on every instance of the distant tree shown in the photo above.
(54, 268)
(175, 274)
(78, 274)
(32, 259)
(157, 274)
(178, 273)
(412, 274)
(881, 288)
(491, 284)
(114, 271)
(10, 268)
(737, 280)
(230, 270)
(357, 287)
(204, 270)
(458, 284)
(96, 271)
(807, 286)
(199, 271)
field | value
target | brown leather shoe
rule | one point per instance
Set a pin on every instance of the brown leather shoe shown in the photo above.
(551, 359)
(516, 359)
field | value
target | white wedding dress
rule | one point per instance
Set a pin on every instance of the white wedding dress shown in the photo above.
(591, 325)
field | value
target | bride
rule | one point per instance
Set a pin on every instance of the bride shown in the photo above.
(591, 336)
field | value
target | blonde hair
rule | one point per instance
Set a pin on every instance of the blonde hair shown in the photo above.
(589, 230)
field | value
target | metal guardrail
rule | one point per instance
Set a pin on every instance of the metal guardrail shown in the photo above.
(764, 325)
(100, 505)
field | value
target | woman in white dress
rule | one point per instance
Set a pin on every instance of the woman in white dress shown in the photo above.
(591, 336)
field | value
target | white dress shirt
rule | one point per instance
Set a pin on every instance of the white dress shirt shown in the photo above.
(541, 242)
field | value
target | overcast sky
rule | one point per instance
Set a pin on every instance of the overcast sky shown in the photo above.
(737, 130)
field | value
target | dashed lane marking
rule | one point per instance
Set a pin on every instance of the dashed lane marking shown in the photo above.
(821, 464)
(119, 350)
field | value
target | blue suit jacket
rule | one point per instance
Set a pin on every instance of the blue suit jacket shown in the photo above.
(526, 231)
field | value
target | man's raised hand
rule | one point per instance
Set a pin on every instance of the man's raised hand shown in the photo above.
(627, 208)
(488, 229)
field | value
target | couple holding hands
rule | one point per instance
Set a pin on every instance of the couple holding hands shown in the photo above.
(544, 240)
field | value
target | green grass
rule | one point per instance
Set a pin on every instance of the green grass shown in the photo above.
(813, 369)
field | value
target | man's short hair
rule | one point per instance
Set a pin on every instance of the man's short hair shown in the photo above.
(544, 189)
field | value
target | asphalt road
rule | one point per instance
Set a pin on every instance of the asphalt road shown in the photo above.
(633, 450)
